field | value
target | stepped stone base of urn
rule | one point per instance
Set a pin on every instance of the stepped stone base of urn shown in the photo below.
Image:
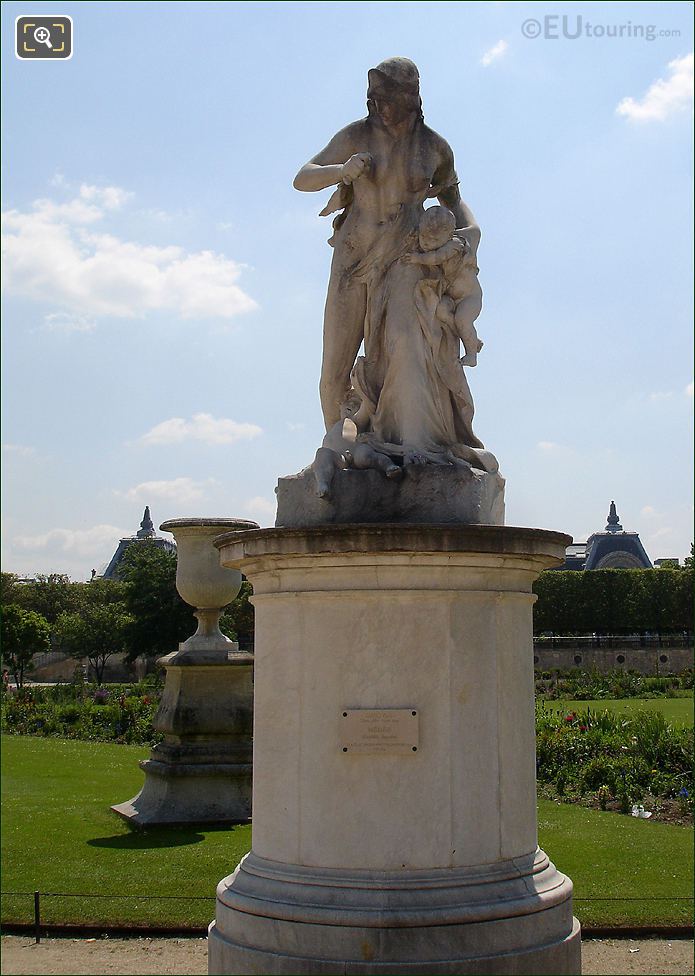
(423, 494)
(202, 771)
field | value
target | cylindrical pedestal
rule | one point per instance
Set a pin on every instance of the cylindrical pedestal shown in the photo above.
(394, 757)
(202, 771)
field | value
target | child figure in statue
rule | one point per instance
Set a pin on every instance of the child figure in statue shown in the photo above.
(462, 300)
(342, 449)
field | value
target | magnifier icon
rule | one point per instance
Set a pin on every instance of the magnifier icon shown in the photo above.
(43, 36)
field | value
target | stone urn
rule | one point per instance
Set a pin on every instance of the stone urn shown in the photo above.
(202, 770)
(204, 583)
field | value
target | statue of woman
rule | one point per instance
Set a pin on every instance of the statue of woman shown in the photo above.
(385, 167)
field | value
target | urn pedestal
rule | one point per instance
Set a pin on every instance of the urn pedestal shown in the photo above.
(202, 770)
(394, 759)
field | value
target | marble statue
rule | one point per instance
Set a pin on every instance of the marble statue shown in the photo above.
(403, 282)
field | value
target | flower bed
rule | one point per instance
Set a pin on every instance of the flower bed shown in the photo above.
(119, 713)
(614, 761)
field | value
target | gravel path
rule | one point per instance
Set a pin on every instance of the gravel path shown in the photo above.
(188, 957)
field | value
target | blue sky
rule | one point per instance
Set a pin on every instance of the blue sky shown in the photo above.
(164, 284)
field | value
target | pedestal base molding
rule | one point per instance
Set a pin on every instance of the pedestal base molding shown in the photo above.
(514, 917)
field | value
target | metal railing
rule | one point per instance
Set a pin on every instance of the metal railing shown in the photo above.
(604, 640)
(38, 895)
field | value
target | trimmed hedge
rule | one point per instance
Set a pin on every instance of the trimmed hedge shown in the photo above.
(614, 601)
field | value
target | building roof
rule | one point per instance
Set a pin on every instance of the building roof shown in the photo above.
(145, 533)
(613, 548)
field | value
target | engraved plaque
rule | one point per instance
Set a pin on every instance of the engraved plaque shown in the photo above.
(379, 731)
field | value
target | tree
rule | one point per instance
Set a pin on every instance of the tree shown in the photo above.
(160, 618)
(50, 595)
(97, 632)
(24, 633)
(237, 621)
(9, 586)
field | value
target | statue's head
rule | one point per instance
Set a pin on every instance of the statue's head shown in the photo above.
(437, 226)
(393, 91)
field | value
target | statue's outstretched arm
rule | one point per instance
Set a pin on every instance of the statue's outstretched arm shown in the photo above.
(339, 162)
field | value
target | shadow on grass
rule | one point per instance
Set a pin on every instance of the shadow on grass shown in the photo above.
(142, 839)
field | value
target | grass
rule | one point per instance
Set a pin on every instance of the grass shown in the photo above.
(60, 836)
(611, 856)
(678, 711)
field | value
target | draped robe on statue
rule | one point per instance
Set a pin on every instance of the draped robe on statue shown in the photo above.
(410, 376)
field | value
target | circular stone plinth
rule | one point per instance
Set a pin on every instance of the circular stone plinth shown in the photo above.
(394, 537)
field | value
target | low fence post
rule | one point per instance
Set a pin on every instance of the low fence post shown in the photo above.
(37, 917)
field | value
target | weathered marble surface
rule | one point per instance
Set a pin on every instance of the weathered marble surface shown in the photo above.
(421, 863)
(425, 493)
(202, 771)
(404, 282)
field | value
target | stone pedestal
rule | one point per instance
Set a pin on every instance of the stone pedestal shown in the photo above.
(409, 846)
(201, 772)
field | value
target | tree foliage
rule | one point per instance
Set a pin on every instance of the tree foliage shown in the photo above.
(97, 632)
(237, 621)
(49, 595)
(160, 618)
(614, 601)
(24, 633)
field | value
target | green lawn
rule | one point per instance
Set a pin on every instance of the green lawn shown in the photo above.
(60, 836)
(611, 856)
(678, 711)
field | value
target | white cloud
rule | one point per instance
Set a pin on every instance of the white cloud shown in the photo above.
(261, 510)
(20, 450)
(80, 542)
(181, 490)
(689, 389)
(660, 533)
(650, 512)
(295, 427)
(109, 197)
(52, 254)
(550, 447)
(201, 427)
(493, 53)
(68, 322)
(661, 395)
(665, 97)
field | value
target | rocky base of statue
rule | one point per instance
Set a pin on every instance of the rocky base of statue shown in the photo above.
(427, 493)
(202, 770)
